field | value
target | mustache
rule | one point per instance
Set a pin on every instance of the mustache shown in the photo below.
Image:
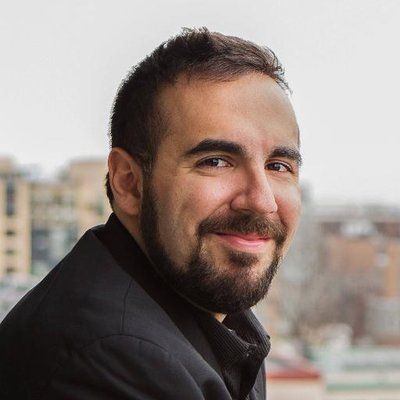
(244, 224)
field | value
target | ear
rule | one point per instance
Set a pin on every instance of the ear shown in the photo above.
(126, 180)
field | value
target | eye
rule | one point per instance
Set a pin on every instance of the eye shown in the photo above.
(214, 162)
(278, 167)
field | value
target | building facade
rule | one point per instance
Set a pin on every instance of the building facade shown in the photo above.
(343, 269)
(15, 221)
(41, 220)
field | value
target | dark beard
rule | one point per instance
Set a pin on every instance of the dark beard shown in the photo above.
(200, 280)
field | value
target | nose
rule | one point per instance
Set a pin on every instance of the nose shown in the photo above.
(255, 195)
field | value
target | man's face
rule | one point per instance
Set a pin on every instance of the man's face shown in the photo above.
(223, 201)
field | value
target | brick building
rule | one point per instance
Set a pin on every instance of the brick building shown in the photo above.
(343, 268)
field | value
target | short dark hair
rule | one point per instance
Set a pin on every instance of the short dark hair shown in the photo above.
(137, 126)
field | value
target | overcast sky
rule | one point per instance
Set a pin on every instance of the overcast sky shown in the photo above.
(62, 60)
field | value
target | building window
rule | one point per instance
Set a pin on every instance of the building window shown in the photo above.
(10, 270)
(10, 198)
(10, 232)
(10, 252)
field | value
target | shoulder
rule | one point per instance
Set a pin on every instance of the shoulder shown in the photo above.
(89, 321)
(123, 366)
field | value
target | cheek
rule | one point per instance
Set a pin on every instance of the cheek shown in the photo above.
(202, 199)
(183, 209)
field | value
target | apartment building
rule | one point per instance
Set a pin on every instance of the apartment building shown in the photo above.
(64, 208)
(362, 245)
(15, 221)
(86, 180)
(41, 220)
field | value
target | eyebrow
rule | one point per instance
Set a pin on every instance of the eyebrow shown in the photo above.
(287, 152)
(209, 145)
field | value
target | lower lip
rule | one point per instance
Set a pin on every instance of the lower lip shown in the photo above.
(240, 243)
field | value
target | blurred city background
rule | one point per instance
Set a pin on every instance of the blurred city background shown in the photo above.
(333, 312)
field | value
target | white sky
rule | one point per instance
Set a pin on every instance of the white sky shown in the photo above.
(62, 61)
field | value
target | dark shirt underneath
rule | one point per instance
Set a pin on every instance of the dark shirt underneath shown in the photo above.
(240, 344)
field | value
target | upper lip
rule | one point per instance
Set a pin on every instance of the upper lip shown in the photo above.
(246, 236)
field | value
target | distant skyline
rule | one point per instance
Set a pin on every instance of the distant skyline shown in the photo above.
(62, 63)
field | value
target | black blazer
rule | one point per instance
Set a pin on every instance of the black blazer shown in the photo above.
(89, 330)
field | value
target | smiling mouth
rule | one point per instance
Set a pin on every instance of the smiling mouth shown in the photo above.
(252, 243)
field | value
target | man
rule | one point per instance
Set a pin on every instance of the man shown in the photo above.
(203, 182)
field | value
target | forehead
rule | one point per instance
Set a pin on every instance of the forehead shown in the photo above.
(251, 110)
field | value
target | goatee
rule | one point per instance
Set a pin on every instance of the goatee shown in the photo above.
(200, 281)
